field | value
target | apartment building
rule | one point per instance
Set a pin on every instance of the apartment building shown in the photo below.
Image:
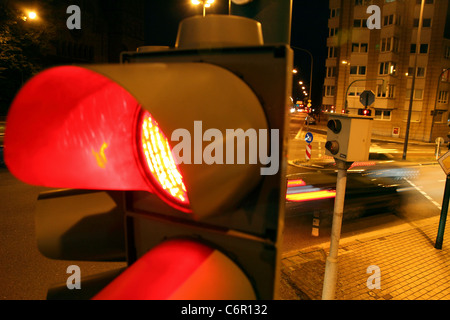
(383, 60)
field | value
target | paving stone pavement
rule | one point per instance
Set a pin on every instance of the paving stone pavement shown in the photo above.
(409, 266)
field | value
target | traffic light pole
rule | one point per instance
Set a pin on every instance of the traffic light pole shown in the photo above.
(443, 218)
(330, 279)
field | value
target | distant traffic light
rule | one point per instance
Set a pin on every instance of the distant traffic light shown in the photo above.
(364, 112)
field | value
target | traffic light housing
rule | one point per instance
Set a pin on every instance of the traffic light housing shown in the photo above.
(348, 137)
(122, 126)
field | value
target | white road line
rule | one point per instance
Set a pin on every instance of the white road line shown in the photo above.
(424, 194)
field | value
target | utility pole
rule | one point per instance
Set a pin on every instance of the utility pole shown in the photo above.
(330, 279)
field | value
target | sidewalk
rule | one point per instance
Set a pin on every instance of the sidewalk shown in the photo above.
(410, 267)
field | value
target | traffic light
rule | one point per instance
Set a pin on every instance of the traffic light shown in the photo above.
(187, 143)
(364, 112)
(348, 137)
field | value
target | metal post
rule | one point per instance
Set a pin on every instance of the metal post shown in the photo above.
(443, 219)
(330, 279)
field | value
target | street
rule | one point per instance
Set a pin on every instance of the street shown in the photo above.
(25, 274)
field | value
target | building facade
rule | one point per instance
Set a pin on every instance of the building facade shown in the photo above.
(384, 60)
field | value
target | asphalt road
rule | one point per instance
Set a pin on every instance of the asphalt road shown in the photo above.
(25, 274)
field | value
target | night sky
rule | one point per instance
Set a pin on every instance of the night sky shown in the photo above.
(309, 31)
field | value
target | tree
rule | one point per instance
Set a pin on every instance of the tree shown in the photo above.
(24, 44)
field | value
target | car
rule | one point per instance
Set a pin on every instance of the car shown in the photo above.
(310, 119)
(372, 188)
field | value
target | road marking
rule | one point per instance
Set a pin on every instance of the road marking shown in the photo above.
(297, 137)
(424, 194)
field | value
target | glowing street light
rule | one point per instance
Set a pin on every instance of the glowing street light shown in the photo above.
(204, 3)
(31, 15)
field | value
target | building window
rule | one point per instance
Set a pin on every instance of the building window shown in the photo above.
(335, 12)
(438, 116)
(360, 23)
(389, 92)
(363, 2)
(426, 1)
(332, 52)
(331, 72)
(361, 70)
(360, 47)
(423, 48)
(392, 19)
(355, 91)
(418, 94)
(415, 116)
(332, 32)
(443, 97)
(389, 44)
(420, 72)
(447, 52)
(383, 115)
(329, 91)
(426, 23)
(388, 67)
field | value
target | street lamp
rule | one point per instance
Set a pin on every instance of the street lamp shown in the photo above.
(205, 4)
(312, 63)
(30, 15)
(346, 64)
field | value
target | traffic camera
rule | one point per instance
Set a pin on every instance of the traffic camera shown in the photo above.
(348, 137)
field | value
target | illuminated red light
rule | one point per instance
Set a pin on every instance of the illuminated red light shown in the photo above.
(158, 161)
(159, 273)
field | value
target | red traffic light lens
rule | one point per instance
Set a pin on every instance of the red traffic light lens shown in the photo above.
(159, 164)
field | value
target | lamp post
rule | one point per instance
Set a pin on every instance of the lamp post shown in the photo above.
(346, 63)
(411, 98)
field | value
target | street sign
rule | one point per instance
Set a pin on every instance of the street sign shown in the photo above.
(444, 161)
(367, 97)
(309, 137)
(439, 140)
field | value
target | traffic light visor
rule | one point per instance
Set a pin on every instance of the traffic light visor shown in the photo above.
(107, 127)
